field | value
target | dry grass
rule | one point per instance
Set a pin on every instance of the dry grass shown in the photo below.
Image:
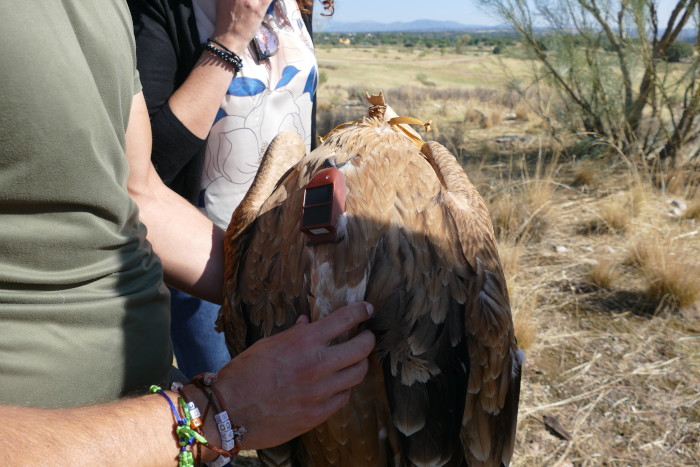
(520, 208)
(613, 216)
(520, 212)
(616, 360)
(693, 211)
(602, 273)
(623, 380)
(524, 305)
(584, 176)
(522, 112)
(476, 117)
(496, 117)
(510, 251)
(671, 273)
(616, 212)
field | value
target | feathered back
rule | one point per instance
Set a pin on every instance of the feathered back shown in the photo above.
(416, 241)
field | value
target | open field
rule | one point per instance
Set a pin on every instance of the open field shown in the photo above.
(400, 66)
(602, 258)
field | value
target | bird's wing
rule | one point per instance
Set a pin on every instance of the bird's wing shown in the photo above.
(267, 191)
(490, 413)
(259, 300)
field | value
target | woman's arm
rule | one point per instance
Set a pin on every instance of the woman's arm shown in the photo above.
(197, 101)
(166, 51)
(183, 111)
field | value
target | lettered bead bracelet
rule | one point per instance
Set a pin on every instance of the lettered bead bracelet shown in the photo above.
(196, 421)
(231, 435)
(225, 430)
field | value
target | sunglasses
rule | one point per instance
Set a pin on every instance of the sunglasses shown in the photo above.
(265, 43)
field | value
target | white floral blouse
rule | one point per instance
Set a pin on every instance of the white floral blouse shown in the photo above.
(267, 97)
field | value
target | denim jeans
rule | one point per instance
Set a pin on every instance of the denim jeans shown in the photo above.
(197, 346)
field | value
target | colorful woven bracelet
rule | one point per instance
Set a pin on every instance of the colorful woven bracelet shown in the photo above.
(192, 409)
(195, 415)
(185, 434)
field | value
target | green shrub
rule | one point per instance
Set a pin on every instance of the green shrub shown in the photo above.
(677, 51)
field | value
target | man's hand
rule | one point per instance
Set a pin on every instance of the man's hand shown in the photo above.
(289, 383)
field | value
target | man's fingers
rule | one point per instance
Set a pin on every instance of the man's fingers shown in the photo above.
(348, 377)
(302, 319)
(332, 405)
(342, 320)
(339, 356)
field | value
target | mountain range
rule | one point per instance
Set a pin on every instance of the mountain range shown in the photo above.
(422, 25)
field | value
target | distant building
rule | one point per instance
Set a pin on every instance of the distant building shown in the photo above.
(344, 40)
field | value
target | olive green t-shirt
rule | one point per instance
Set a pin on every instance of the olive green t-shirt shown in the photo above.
(84, 315)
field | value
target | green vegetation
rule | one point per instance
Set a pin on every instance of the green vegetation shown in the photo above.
(455, 41)
(678, 51)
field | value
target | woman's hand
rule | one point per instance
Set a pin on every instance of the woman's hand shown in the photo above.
(237, 21)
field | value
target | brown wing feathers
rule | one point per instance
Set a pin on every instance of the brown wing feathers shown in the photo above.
(490, 415)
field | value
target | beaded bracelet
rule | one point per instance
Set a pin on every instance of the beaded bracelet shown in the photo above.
(221, 46)
(196, 416)
(186, 435)
(224, 53)
(231, 435)
(192, 412)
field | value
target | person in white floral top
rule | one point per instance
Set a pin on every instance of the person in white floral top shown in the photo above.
(212, 123)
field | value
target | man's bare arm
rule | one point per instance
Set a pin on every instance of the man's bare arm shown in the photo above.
(137, 431)
(188, 244)
(278, 389)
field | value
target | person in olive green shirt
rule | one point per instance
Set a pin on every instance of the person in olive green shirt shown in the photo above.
(84, 313)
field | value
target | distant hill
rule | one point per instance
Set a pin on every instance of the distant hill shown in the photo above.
(688, 35)
(427, 25)
(422, 25)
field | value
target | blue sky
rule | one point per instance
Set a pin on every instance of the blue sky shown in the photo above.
(462, 11)
(388, 11)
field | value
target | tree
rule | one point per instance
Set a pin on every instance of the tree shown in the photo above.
(461, 42)
(605, 59)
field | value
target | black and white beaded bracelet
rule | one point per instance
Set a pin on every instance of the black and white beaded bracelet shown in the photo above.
(224, 53)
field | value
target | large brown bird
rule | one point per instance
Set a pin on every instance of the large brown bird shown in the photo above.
(368, 216)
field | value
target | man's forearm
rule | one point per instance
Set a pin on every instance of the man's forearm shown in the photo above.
(279, 388)
(188, 244)
(138, 431)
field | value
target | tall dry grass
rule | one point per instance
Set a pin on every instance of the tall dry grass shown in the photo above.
(671, 272)
(602, 273)
(520, 206)
(693, 211)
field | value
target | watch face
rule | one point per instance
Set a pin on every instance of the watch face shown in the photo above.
(265, 42)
